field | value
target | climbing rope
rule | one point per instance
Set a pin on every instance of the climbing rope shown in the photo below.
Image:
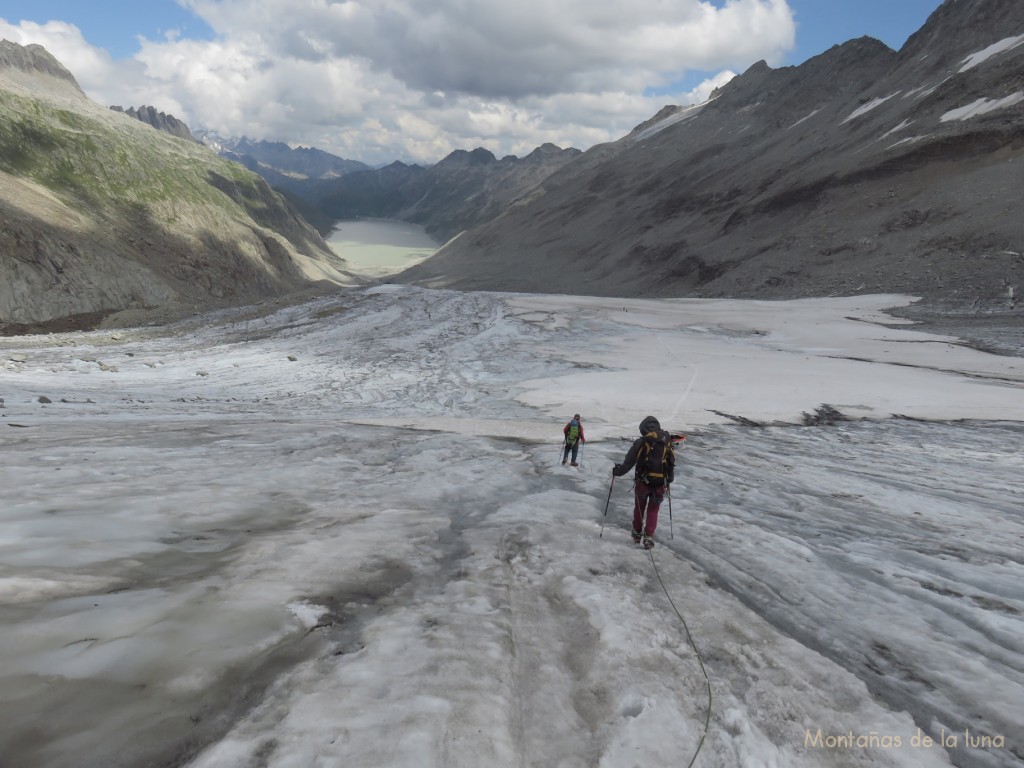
(689, 636)
(700, 660)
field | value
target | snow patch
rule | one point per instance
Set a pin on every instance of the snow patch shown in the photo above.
(865, 108)
(981, 107)
(1002, 46)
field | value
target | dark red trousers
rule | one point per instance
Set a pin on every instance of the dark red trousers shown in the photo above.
(646, 500)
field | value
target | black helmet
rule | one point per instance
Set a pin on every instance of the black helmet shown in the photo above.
(650, 424)
(577, 417)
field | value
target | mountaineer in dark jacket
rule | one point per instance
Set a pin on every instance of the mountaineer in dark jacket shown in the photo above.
(655, 462)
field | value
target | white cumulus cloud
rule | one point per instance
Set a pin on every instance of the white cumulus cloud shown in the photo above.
(379, 80)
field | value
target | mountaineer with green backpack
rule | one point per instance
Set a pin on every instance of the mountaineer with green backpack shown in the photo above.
(655, 461)
(573, 432)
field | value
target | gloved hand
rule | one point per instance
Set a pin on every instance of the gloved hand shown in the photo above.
(617, 470)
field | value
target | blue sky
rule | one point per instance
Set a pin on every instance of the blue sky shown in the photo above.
(112, 24)
(413, 80)
(824, 23)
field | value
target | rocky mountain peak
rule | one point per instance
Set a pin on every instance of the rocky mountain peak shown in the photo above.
(546, 151)
(159, 120)
(862, 53)
(960, 27)
(461, 158)
(34, 60)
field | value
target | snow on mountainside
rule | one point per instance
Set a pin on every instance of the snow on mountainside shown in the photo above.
(861, 170)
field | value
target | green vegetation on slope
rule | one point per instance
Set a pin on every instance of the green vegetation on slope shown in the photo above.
(86, 160)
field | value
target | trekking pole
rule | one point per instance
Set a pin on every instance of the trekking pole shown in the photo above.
(582, 446)
(601, 536)
(671, 533)
(561, 449)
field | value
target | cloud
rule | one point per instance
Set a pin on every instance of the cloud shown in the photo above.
(378, 80)
(703, 91)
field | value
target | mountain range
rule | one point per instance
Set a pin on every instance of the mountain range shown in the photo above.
(863, 170)
(464, 189)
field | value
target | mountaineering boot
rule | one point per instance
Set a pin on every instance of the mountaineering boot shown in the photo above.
(564, 460)
(573, 464)
(636, 537)
(648, 542)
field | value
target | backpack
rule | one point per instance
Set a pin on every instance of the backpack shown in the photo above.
(653, 458)
(574, 432)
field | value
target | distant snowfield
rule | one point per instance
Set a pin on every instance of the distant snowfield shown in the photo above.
(685, 359)
(339, 535)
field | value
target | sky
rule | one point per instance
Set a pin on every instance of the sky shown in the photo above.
(339, 535)
(413, 81)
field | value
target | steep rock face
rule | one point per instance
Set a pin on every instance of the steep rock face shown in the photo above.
(862, 170)
(100, 213)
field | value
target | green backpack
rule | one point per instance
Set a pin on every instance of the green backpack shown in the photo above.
(574, 432)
